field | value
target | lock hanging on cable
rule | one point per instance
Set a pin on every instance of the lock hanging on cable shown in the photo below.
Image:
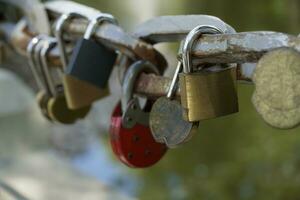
(78, 93)
(130, 135)
(43, 95)
(91, 61)
(210, 92)
(57, 108)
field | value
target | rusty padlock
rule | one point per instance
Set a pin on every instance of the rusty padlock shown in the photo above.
(130, 135)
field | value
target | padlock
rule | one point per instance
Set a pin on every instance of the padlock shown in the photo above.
(132, 111)
(78, 93)
(33, 62)
(33, 51)
(277, 89)
(207, 93)
(57, 106)
(166, 122)
(135, 147)
(133, 143)
(91, 61)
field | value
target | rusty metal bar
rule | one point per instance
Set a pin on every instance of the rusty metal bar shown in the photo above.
(229, 48)
(153, 86)
(239, 48)
(110, 35)
(247, 47)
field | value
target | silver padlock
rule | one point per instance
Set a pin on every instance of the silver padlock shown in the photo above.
(43, 95)
(132, 111)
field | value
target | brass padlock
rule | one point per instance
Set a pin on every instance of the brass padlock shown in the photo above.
(210, 92)
(78, 93)
(57, 108)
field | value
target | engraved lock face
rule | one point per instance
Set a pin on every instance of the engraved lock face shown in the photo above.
(135, 146)
(79, 94)
(210, 92)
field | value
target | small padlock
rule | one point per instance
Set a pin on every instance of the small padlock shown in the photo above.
(91, 61)
(166, 121)
(130, 135)
(33, 51)
(277, 89)
(78, 93)
(208, 93)
(132, 111)
(57, 106)
(33, 62)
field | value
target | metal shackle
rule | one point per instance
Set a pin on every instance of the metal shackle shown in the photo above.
(190, 41)
(48, 45)
(94, 22)
(31, 48)
(130, 78)
(172, 87)
(59, 35)
(38, 63)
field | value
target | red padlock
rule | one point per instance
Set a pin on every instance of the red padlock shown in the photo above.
(130, 134)
(135, 146)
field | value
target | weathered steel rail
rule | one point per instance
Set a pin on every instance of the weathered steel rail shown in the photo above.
(247, 47)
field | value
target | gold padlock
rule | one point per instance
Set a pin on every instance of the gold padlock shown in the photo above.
(78, 93)
(57, 108)
(207, 93)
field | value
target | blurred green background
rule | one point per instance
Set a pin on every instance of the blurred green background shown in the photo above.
(235, 157)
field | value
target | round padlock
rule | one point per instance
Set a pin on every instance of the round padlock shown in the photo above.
(131, 137)
(135, 146)
(277, 90)
(131, 109)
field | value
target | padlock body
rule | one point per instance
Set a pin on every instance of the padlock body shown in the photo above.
(207, 95)
(91, 62)
(135, 146)
(80, 93)
(59, 111)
